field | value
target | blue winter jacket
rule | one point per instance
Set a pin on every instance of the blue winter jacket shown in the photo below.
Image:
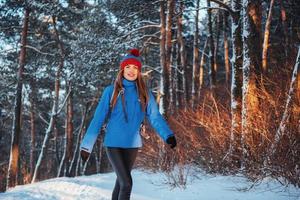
(118, 132)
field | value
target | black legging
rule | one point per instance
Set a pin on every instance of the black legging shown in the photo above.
(122, 160)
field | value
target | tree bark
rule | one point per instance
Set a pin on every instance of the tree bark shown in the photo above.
(212, 72)
(226, 47)
(255, 16)
(162, 51)
(73, 170)
(179, 76)
(173, 78)
(16, 129)
(288, 106)
(54, 108)
(251, 41)
(167, 66)
(32, 126)
(57, 86)
(218, 27)
(201, 71)
(266, 38)
(285, 30)
(195, 85)
(67, 156)
(183, 91)
(236, 79)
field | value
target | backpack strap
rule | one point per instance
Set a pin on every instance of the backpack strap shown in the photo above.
(109, 110)
(110, 106)
(142, 126)
(123, 104)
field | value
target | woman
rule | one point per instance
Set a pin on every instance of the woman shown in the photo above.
(125, 104)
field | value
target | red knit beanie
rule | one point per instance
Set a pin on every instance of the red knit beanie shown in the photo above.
(131, 58)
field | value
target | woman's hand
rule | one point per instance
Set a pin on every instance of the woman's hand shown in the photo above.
(171, 141)
(84, 155)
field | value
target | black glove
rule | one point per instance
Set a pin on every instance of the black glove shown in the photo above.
(84, 155)
(171, 141)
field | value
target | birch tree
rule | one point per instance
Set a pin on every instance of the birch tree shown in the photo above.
(167, 67)
(235, 12)
(32, 97)
(74, 166)
(55, 108)
(288, 106)
(57, 84)
(162, 51)
(64, 166)
(201, 66)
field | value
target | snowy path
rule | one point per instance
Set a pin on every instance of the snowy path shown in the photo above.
(150, 186)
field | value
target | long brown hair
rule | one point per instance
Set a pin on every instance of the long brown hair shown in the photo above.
(141, 88)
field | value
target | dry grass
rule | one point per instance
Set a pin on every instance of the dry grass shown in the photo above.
(203, 136)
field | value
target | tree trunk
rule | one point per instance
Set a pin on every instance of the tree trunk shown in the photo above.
(285, 30)
(226, 47)
(66, 159)
(179, 76)
(201, 67)
(54, 108)
(288, 106)
(266, 37)
(104, 165)
(73, 170)
(70, 129)
(167, 67)
(46, 138)
(195, 85)
(16, 129)
(57, 87)
(251, 43)
(255, 16)
(212, 72)
(236, 79)
(32, 126)
(183, 67)
(173, 78)
(218, 25)
(162, 51)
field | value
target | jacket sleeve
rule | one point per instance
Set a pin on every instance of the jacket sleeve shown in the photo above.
(156, 119)
(95, 125)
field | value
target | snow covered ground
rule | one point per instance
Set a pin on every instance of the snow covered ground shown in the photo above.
(152, 186)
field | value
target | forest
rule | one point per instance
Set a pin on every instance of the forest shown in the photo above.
(224, 73)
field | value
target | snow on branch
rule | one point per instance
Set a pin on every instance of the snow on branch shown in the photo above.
(64, 102)
(232, 13)
(43, 119)
(141, 28)
(282, 127)
(39, 51)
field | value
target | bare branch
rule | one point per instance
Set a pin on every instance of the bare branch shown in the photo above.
(8, 50)
(37, 50)
(64, 102)
(141, 28)
(43, 119)
(232, 13)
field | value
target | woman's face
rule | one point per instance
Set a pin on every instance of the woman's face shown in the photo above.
(131, 72)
